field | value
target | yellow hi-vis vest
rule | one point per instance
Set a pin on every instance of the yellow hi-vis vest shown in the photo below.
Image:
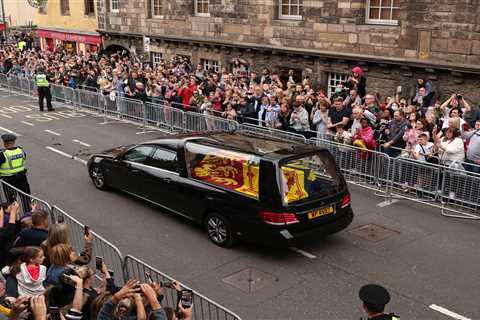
(42, 81)
(14, 162)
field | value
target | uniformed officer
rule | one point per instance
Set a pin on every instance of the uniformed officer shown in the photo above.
(12, 164)
(43, 87)
(375, 298)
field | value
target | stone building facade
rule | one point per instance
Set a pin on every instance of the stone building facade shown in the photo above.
(395, 41)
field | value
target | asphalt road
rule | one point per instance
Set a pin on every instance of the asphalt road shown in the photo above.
(428, 259)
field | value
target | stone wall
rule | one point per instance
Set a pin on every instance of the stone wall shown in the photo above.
(433, 31)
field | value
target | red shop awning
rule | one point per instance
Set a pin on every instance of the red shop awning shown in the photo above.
(2, 26)
(70, 36)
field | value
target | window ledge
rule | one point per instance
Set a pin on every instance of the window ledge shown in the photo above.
(392, 23)
(206, 15)
(290, 18)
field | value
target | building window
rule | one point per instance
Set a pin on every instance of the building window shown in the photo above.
(290, 9)
(89, 7)
(210, 65)
(202, 7)
(157, 58)
(156, 8)
(334, 79)
(114, 5)
(65, 7)
(383, 11)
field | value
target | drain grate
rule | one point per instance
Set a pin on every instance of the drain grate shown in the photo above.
(374, 232)
(250, 280)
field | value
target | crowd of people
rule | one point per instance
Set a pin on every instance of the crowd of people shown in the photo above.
(43, 277)
(417, 125)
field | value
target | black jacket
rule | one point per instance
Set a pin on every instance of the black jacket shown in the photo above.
(7, 236)
(31, 237)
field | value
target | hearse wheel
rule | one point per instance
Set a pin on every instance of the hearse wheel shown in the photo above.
(219, 230)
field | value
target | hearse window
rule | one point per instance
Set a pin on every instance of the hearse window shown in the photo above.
(311, 177)
(163, 159)
(138, 154)
(235, 171)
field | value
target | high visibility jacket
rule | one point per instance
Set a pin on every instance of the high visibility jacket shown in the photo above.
(42, 81)
(14, 162)
(21, 45)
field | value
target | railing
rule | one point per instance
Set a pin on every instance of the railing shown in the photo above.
(452, 189)
(123, 268)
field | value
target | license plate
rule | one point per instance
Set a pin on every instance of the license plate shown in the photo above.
(320, 212)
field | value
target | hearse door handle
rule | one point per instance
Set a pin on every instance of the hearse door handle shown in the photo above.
(167, 180)
(134, 171)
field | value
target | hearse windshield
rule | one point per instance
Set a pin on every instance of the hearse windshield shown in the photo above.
(309, 178)
(235, 171)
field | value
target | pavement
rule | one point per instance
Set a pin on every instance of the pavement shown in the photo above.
(429, 263)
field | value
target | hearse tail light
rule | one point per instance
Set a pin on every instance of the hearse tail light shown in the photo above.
(278, 219)
(345, 201)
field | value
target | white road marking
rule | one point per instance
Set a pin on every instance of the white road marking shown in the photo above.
(448, 312)
(387, 203)
(6, 116)
(66, 155)
(82, 143)
(143, 132)
(303, 253)
(10, 131)
(53, 132)
(28, 123)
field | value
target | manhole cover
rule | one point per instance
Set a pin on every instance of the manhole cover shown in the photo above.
(374, 232)
(250, 280)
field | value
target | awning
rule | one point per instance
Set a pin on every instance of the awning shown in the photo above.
(70, 36)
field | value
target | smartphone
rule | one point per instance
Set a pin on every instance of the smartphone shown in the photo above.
(186, 298)
(86, 230)
(98, 263)
(148, 277)
(111, 273)
(60, 219)
(54, 313)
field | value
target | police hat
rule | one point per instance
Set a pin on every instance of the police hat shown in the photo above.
(8, 137)
(373, 294)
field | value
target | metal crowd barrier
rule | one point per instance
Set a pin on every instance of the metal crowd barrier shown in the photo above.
(165, 117)
(203, 308)
(273, 133)
(101, 247)
(197, 122)
(9, 193)
(123, 268)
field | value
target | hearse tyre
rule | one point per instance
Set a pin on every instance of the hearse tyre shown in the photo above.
(219, 230)
(98, 177)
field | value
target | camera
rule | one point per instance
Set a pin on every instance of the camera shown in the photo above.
(459, 97)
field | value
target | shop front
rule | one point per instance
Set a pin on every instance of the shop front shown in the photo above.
(71, 41)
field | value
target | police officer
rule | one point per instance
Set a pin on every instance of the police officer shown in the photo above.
(12, 164)
(375, 298)
(43, 86)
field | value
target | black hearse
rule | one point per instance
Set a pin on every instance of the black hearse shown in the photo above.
(234, 184)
